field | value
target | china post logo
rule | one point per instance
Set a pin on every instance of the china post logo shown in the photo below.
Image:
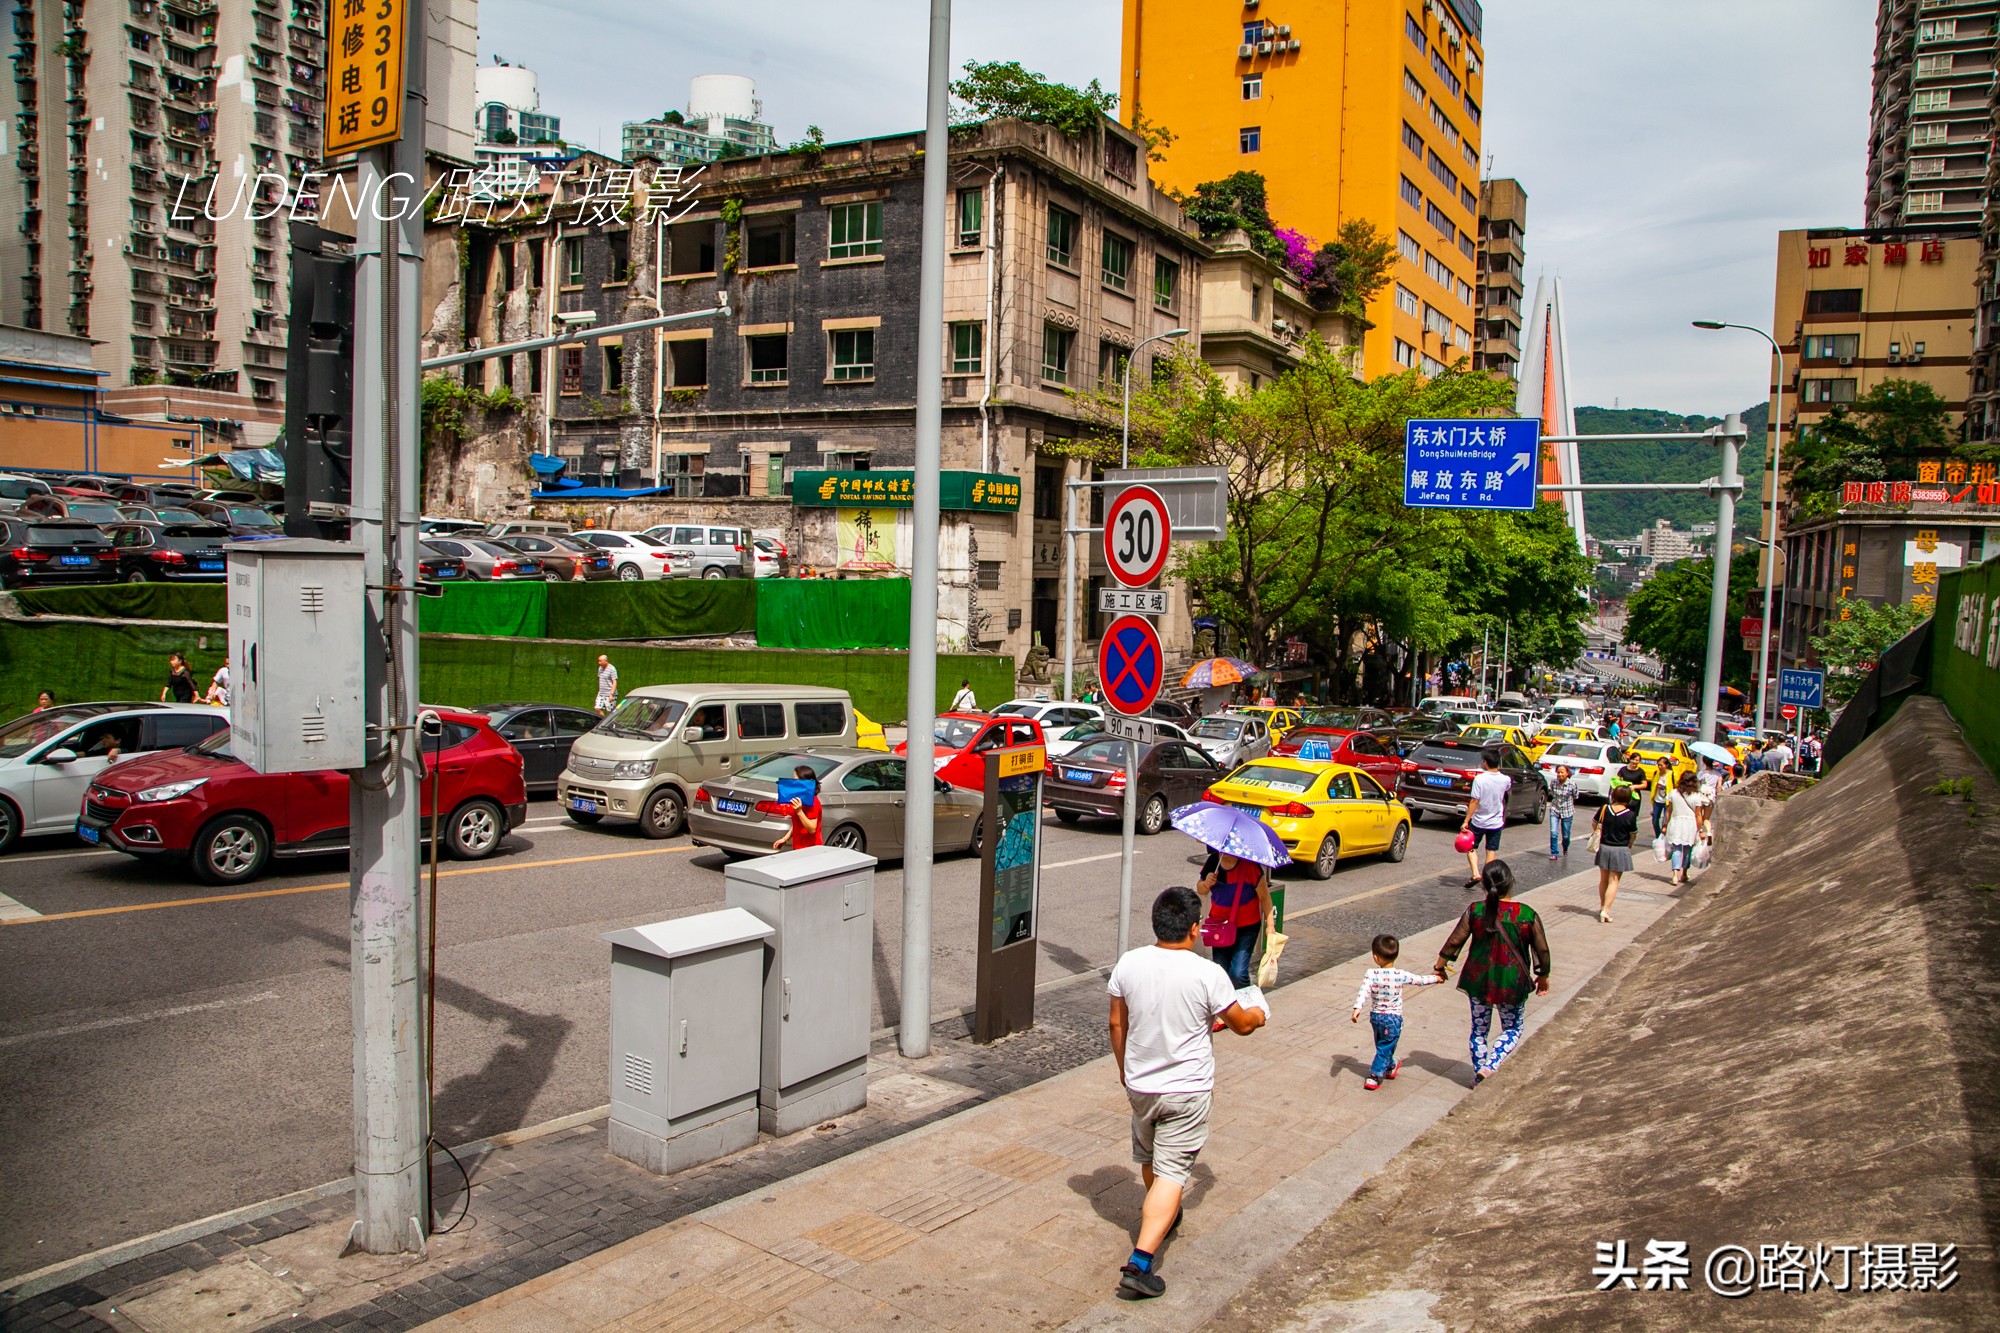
(827, 488)
(978, 491)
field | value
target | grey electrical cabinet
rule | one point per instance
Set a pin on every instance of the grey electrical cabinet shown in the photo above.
(297, 625)
(685, 997)
(818, 980)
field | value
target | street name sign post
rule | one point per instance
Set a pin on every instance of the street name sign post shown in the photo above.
(1801, 687)
(1471, 463)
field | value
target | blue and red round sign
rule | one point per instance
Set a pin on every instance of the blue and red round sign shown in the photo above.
(1130, 665)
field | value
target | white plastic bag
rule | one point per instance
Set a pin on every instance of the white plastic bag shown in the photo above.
(1704, 852)
(1660, 849)
(1267, 966)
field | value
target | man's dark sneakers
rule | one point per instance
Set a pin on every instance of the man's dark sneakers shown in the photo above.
(1134, 1285)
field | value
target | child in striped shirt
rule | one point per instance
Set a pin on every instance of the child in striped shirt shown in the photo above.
(1382, 986)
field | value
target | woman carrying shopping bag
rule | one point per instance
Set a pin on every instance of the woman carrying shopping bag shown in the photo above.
(1507, 940)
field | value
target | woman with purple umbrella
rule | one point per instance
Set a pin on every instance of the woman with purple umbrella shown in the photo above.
(1239, 884)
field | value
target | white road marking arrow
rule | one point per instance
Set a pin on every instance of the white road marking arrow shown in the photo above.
(1520, 461)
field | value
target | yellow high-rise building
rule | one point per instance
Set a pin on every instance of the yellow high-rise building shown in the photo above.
(1349, 109)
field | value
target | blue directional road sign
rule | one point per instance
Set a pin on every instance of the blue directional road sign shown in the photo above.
(1471, 463)
(1130, 665)
(1807, 689)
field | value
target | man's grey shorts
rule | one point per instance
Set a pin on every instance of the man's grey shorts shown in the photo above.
(1168, 1129)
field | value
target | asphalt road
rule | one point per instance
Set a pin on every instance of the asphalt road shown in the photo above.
(171, 1051)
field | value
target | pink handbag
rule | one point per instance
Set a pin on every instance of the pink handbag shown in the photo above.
(1217, 933)
(1465, 841)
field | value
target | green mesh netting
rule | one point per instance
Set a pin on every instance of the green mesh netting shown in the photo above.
(830, 613)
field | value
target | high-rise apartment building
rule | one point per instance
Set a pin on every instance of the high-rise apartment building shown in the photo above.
(1503, 223)
(512, 136)
(724, 119)
(1931, 125)
(1349, 109)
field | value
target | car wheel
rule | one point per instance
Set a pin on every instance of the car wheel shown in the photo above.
(232, 850)
(137, 576)
(581, 817)
(1398, 845)
(1153, 816)
(1541, 810)
(475, 830)
(629, 574)
(1327, 860)
(712, 572)
(552, 577)
(665, 814)
(1068, 816)
(978, 835)
(10, 825)
(848, 836)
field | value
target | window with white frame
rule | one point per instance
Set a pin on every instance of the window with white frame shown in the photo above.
(1921, 167)
(1929, 132)
(1406, 355)
(1406, 300)
(1932, 99)
(854, 231)
(1413, 86)
(1937, 30)
(767, 355)
(1407, 247)
(1058, 344)
(1924, 201)
(1938, 64)
(1250, 139)
(1117, 261)
(971, 218)
(1253, 87)
(1063, 227)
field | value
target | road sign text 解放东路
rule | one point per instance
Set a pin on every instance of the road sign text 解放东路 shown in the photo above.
(1130, 665)
(1471, 463)
(1137, 533)
(1807, 689)
(1132, 601)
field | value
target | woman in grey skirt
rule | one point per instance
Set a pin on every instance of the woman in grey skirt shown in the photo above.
(1617, 824)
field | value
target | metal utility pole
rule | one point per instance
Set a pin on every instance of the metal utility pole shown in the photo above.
(386, 927)
(1070, 489)
(913, 1036)
(1485, 655)
(1728, 483)
(1506, 656)
(1770, 561)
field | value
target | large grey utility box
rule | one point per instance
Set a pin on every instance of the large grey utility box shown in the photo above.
(818, 980)
(684, 1004)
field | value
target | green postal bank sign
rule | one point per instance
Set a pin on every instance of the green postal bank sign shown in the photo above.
(975, 492)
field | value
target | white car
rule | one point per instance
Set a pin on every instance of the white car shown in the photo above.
(769, 554)
(1053, 714)
(1064, 742)
(47, 759)
(1591, 763)
(635, 556)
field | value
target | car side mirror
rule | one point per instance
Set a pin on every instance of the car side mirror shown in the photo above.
(692, 735)
(943, 787)
(60, 755)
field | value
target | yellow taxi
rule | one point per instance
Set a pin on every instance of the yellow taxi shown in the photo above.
(1278, 720)
(1493, 733)
(1653, 753)
(1320, 811)
(869, 735)
(1562, 731)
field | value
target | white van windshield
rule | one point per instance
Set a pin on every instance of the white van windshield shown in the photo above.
(643, 718)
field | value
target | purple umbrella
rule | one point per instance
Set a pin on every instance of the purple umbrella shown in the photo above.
(1232, 832)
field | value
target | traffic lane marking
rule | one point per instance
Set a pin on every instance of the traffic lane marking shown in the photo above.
(13, 909)
(57, 856)
(20, 1038)
(327, 888)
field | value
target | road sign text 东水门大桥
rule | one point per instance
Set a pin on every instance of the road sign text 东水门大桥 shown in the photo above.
(1471, 463)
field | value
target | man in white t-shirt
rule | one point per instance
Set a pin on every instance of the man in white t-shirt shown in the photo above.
(1486, 812)
(607, 686)
(1778, 758)
(1165, 999)
(964, 701)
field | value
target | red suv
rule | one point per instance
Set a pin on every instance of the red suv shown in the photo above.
(206, 806)
(964, 738)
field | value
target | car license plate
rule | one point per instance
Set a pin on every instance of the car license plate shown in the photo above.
(447, 573)
(1436, 780)
(78, 560)
(86, 832)
(1078, 775)
(729, 807)
(211, 565)
(582, 806)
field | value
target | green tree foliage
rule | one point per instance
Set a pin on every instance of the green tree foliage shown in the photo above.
(1236, 203)
(1320, 545)
(1878, 436)
(1345, 274)
(1668, 617)
(993, 90)
(1855, 641)
(1613, 514)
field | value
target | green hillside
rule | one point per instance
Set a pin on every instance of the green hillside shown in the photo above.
(1616, 514)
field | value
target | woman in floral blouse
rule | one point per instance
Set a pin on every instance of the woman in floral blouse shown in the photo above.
(1504, 936)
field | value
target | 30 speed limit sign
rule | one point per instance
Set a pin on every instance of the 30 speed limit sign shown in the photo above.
(1136, 536)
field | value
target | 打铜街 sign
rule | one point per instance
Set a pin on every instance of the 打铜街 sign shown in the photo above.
(364, 73)
(969, 492)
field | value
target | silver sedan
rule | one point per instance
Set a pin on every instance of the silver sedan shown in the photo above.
(861, 805)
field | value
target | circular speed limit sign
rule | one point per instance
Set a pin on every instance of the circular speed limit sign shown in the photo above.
(1136, 536)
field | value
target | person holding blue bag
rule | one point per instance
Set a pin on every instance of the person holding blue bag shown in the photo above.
(800, 793)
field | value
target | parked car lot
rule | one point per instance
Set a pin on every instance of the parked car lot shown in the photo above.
(46, 552)
(168, 552)
(48, 759)
(713, 552)
(562, 558)
(489, 562)
(861, 805)
(226, 820)
(635, 556)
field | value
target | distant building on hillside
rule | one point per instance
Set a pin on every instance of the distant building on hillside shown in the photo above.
(1663, 543)
(724, 118)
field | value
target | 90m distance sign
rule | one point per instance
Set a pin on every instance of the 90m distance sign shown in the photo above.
(1137, 536)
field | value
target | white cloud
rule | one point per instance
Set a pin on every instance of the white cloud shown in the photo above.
(1662, 146)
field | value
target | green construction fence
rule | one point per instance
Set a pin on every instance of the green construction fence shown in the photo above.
(84, 661)
(1965, 655)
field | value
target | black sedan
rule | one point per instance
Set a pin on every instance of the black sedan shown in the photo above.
(242, 520)
(169, 552)
(438, 567)
(542, 734)
(43, 552)
(1438, 774)
(1090, 780)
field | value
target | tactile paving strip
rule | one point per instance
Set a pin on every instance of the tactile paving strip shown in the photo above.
(811, 1254)
(763, 1283)
(974, 1185)
(689, 1311)
(1021, 1162)
(863, 1236)
(1065, 1141)
(925, 1212)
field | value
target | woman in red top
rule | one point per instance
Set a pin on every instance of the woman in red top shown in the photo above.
(1239, 898)
(804, 831)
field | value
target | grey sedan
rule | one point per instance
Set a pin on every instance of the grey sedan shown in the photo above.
(486, 560)
(1232, 738)
(861, 805)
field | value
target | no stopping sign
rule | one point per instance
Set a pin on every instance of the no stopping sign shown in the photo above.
(1137, 534)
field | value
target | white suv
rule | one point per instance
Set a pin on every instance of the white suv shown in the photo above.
(47, 759)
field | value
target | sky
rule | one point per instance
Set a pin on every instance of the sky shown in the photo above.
(1662, 145)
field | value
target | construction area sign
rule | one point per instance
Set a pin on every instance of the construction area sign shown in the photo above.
(364, 73)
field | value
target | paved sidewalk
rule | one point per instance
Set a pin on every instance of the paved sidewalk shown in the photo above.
(1018, 1212)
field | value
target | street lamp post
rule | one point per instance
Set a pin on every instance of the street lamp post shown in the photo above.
(1771, 532)
(1125, 430)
